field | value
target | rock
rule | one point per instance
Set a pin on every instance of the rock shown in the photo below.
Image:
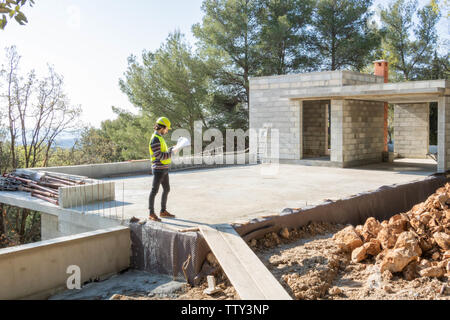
(388, 289)
(409, 241)
(335, 291)
(397, 259)
(253, 243)
(410, 271)
(446, 255)
(359, 230)
(387, 237)
(359, 254)
(398, 223)
(442, 198)
(443, 290)
(284, 233)
(442, 239)
(347, 239)
(424, 218)
(373, 247)
(406, 250)
(211, 258)
(435, 256)
(371, 229)
(424, 263)
(432, 272)
(425, 244)
(387, 275)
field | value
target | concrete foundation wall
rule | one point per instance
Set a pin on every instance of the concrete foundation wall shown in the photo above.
(68, 224)
(357, 130)
(412, 130)
(315, 143)
(37, 271)
(444, 134)
(268, 108)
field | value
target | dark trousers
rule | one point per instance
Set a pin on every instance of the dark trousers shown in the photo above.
(160, 177)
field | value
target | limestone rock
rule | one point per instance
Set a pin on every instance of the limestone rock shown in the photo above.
(442, 239)
(284, 233)
(371, 229)
(409, 241)
(335, 291)
(435, 256)
(434, 272)
(410, 271)
(359, 230)
(442, 198)
(347, 239)
(446, 255)
(373, 247)
(387, 238)
(359, 254)
(388, 289)
(397, 259)
(398, 223)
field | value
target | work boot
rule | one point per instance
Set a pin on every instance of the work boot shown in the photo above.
(167, 215)
(154, 217)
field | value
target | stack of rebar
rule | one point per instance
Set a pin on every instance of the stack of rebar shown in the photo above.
(43, 186)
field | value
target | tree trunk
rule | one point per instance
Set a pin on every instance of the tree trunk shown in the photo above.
(2, 221)
(25, 213)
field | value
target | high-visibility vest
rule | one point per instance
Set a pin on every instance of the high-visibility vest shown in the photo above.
(163, 148)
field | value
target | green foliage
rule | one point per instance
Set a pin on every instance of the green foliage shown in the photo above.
(284, 41)
(343, 35)
(229, 34)
(410, 53)
(18, 226)
(170, 82)
(12, 9)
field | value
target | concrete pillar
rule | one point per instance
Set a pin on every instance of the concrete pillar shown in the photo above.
(412, 130)
(300, 131)
(444, 134)
(382, 70)
(337, 133)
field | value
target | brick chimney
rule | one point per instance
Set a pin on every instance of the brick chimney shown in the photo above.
(382, 70)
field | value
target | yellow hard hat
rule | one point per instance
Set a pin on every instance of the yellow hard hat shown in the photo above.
(165, 122)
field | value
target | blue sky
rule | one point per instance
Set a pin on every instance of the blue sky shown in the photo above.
(88, 42)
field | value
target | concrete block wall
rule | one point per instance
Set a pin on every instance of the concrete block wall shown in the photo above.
(269, 107)
(412, 130)
(356, 78)
(357, 130)
(444, 134)
(315, 126)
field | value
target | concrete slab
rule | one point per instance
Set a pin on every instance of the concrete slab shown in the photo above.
(227, 195)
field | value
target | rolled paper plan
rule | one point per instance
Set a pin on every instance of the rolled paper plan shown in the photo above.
(182, 143)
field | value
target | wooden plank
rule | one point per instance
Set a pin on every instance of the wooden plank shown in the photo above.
(250, 277)
(231, 265)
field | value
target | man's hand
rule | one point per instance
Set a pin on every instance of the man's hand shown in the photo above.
(173, 150)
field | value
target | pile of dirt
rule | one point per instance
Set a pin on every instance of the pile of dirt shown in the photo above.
(285, 235)
(415, 243)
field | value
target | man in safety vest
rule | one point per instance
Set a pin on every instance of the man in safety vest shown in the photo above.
(161, 159)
